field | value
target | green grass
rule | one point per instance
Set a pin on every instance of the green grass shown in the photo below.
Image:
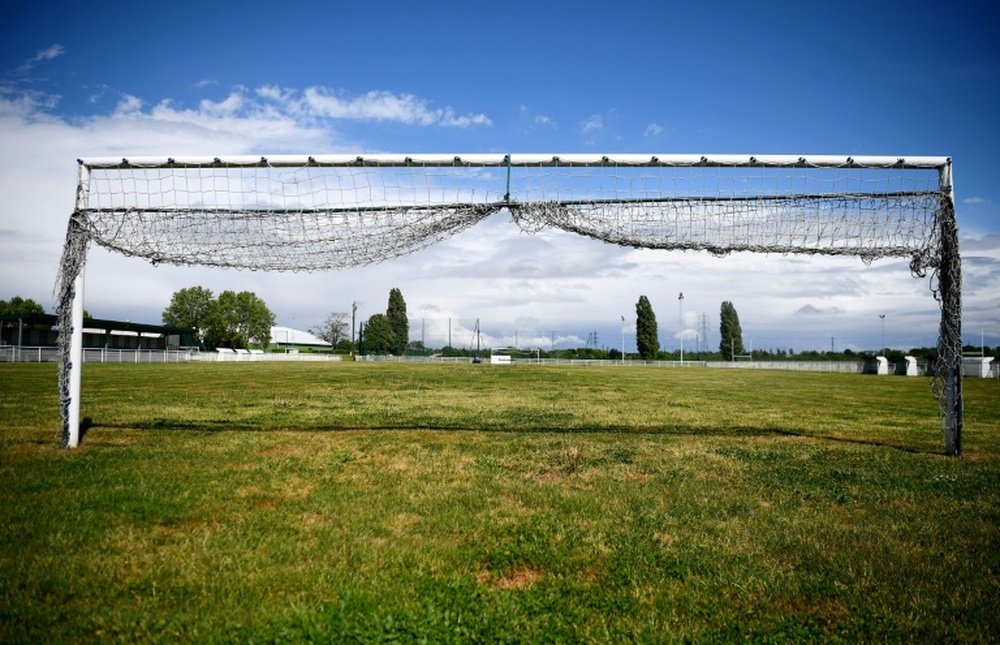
(388, 502)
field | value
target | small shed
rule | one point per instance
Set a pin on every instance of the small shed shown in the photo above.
(876, 365)
(977, 366)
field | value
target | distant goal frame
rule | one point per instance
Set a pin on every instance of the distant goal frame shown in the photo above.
(933, 248)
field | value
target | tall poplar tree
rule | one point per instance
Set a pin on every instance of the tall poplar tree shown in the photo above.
(398, 322)
(730, 333)
(646, 336)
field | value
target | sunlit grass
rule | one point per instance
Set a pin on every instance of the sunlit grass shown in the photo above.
(455, 503)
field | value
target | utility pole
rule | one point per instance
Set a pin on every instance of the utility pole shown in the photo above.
(882, 316)
(680, 323)
(623, 340)
(354, 313)
(704, 332)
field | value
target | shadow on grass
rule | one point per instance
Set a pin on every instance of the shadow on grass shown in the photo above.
(210, 426)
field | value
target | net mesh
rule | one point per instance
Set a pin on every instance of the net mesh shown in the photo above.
(313, 218)
(316, 217)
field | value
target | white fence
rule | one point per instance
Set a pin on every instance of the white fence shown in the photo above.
(851, 367)
(241, 356)
(14, 354)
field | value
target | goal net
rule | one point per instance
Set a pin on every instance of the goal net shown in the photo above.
(298, 213)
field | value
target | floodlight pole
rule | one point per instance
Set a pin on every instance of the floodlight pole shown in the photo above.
(882, 316)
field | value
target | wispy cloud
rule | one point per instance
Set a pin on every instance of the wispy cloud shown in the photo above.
(653, 130)
(376, 105)
(529, 120)
(975, 200)
(593, 123)
(50, 52)
(205, 82)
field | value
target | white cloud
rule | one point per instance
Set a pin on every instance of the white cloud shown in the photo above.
(31, 105)
(226, 107)
(379, 106)
(275, 93)
(128, 105)
(975, 200)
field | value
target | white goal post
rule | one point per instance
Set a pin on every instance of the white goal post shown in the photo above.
(321, 212)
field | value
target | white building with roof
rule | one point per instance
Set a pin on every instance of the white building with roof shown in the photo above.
(288, 338)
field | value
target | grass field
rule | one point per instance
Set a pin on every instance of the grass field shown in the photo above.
(453, 503)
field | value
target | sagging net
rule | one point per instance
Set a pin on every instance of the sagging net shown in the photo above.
(315, 217)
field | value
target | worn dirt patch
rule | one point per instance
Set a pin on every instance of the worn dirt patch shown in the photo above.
(519, 578)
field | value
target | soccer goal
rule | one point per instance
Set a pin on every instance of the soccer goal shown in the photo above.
(310, 213)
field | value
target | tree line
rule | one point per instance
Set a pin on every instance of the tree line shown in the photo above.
(243, 320)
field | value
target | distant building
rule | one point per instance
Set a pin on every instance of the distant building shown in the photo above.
(41, 330)
(293, 339)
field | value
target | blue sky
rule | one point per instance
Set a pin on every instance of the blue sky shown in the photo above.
(893, 78)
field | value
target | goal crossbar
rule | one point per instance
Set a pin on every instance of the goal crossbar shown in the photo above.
(320, 212)
(516, 160)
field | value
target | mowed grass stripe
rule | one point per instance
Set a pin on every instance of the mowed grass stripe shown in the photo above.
(476, 503)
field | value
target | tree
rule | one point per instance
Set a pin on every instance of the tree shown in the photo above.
(238, 319)
(379, 337)
(18, 306)
(730, 333)
(334, 328)
(395, 313)
(646, 336)
(189, 307)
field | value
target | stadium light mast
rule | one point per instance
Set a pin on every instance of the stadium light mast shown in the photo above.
(882, 316)
(680, 322)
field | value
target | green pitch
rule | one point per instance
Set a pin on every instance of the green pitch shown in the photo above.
(393, 502)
